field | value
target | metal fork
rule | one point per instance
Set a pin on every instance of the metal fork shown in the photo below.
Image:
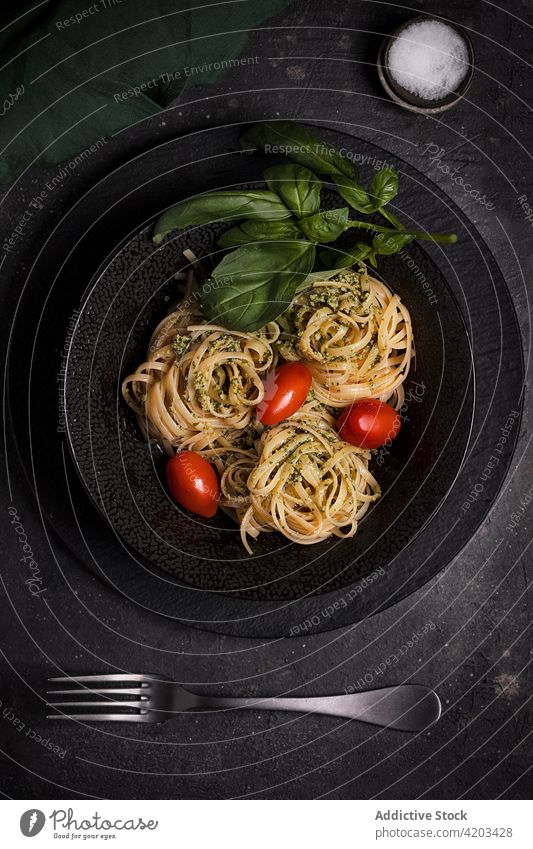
(408, 707)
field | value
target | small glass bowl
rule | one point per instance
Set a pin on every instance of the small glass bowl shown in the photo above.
(406, 98)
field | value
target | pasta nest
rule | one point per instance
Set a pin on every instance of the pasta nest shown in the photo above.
(304, 482)
(355, 337)
(201, 383)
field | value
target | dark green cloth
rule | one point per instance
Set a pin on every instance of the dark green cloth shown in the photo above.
(75, 83)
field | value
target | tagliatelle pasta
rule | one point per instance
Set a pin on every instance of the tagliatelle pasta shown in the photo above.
(307, 483)
(355, 336)
(200, 385)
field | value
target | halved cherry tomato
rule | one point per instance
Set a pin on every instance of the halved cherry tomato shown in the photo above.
(193, 483)
(286, 389)
(368, 423)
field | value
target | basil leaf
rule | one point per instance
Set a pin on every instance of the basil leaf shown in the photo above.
(260, 231)
(295, 141)
(335, 258)
(86, 75)
(387, 244)
(354, 194)
(325, 226)
(256, 283)
(220, 206)
(297, 186)
(384, 187)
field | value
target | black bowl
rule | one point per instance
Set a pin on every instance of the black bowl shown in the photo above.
(426, 515)
(123, 474)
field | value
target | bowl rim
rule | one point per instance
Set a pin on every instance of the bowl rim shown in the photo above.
(263, 619)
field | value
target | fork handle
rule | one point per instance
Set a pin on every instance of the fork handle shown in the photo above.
(408, 707)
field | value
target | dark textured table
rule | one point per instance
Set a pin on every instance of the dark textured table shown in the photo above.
(470, 624)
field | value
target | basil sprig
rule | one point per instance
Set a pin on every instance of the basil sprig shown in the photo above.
(384, 244)
(325, 226)
(275, 242)
(260, 231)
(384, 188)
(339, 259)
(220, 206)
(256, 283)
(297, 186)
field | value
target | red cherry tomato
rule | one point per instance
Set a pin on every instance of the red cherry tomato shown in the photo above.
(369, 423)
(193, 483)
(286, 389)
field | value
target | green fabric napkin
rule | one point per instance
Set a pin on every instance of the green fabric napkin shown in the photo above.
(78, 72)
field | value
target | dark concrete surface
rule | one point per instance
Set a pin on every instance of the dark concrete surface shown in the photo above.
(471, 622)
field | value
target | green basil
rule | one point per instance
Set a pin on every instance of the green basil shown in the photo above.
(325, 226)
(383, 244)
(295, 141)
(387, 214)
(220, 206)
(260, 231)
(255, 283)
(279, 227)
(335, 258)
(384, 188)
(353, 194)
(297, 186)
(386, 245)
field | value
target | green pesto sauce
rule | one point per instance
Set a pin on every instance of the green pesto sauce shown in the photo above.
(225, 342)
(180, 345)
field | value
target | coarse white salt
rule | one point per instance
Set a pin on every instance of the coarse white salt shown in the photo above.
(429, 59)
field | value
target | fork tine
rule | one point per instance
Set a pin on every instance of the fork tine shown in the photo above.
(83, 691)
(106, 704)
(102, 678)
(105, 717)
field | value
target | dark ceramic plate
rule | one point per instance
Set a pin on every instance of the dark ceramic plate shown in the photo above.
(123, 474)
(165, 560)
